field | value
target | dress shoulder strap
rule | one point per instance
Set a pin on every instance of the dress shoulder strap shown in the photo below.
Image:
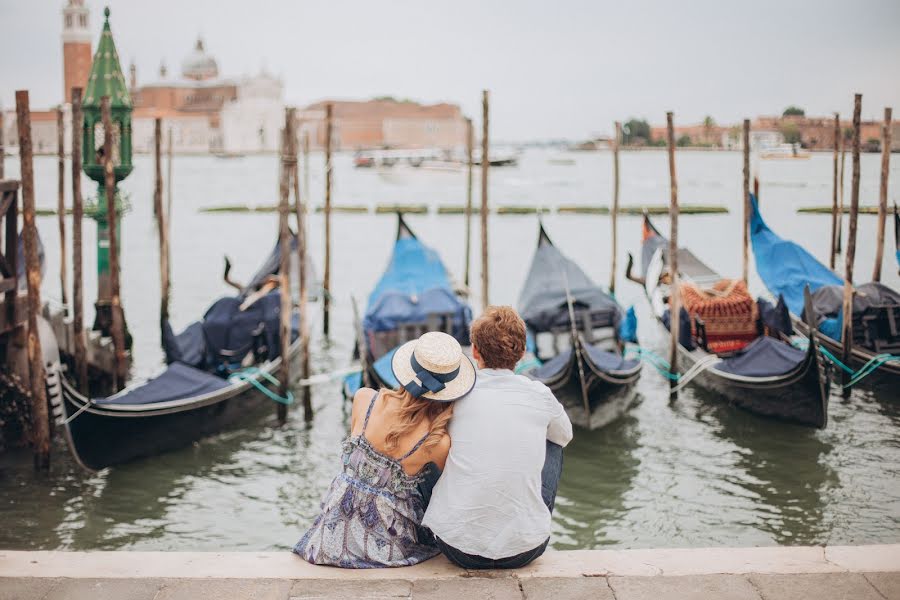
(369, 411)
(414, 448)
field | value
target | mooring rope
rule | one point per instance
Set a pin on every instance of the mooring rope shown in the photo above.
(864, 371)
(246, 375)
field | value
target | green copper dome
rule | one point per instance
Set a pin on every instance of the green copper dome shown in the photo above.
(106, 77)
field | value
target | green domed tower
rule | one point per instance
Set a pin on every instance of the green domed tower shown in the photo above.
(106, 79)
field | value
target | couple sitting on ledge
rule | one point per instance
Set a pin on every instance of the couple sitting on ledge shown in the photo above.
(457, 461)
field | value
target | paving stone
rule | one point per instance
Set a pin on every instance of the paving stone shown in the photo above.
(224, 589)
(685, 587)
(350, 590)
(105, 589)
(26, 588)
(569, 588)
(886, 583)
(819, 586)
(482, 588)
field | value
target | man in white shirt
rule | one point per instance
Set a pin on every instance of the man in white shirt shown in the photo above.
(491, 506)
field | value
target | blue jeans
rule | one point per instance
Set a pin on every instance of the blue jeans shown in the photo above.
(550, 475)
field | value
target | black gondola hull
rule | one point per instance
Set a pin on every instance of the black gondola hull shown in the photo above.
(608, 400)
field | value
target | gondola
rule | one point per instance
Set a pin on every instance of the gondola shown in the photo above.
(786, 268)
(414, 296)
(763, 374)
(574, 328)
(219, 372)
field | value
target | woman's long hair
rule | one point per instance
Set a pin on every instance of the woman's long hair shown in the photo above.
(411, 411)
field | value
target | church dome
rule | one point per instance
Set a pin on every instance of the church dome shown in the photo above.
(199, 65)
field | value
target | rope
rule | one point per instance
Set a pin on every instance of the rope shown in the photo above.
(864, 371)
(663, 367)
(246, 375)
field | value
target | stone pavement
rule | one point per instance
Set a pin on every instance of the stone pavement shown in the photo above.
(781, 573)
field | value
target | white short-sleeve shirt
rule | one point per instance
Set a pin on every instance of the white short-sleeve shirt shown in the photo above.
(488, 499)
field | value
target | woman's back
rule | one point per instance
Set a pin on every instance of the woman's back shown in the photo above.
(371, 513)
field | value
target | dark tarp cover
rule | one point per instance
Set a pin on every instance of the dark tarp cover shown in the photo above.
(775, 316)
(414, 286)
(763, 357)
(543, 304)
(828, 304)
(272, 265)
(177, 382)
(609, 362)
(686, 339)
(187, 347)
(553, 367)
(785, 267)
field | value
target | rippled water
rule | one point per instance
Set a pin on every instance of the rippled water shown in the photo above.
(694, 472)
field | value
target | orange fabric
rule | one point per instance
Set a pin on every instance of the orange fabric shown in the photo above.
(729, 312)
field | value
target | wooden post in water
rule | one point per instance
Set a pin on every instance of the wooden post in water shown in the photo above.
(169, 180)
(485, 167)
(40, 422)
(2, 149)
(615, 207)
(840, 224)
(284, 268)
(745, 221)
(118, 317)
(61, 205)
(834, 198)
(674, 295)
(883, 192)
(470, 142)
(326, 279)
(161, 224)
(81, 372)
(847, 329)
(300, 203)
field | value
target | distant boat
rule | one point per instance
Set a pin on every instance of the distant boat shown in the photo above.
(228, 155)
(784, 151)
(561, 161)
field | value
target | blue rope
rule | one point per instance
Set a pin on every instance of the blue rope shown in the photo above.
(656, 361)
(855, 376)
(246, 375)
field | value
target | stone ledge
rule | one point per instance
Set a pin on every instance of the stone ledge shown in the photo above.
(577, 563)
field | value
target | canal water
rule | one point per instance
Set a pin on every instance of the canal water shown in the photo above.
(693, 472)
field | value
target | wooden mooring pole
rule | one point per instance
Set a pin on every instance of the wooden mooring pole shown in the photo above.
(485, 167)
(169, 179)
(162, 227)
(284, 268)
(300, 209)
(2, 149)
(40, 422)
(883, 193)
(118, 318)
(614, 214)
(840, 225)
(674, 295)
(81, 370)
(847, 325)
(470, 142)
(326, 279)
(745, 221)
(61, 205)
(834, 197)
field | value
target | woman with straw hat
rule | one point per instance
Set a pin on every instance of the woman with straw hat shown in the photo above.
(372, 512)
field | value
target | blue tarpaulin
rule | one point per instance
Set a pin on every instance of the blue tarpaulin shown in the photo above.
(763, 357)
(177, 382)
(414, 286)
(785, 267)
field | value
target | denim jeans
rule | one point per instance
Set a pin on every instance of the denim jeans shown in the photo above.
(550, 475)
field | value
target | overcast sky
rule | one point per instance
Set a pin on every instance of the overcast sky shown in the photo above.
(561, 68)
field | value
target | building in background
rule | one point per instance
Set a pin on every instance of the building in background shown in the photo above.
(384, 123)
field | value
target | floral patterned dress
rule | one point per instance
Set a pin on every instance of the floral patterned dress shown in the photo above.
(371, 513)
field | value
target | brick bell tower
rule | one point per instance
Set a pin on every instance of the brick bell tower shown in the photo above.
(76, 38)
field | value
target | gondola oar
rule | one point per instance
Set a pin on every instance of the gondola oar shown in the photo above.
(576, 347)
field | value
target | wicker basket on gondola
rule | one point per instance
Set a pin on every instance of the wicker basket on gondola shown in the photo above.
(724, 316)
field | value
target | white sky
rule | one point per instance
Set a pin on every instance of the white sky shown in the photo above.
(565, 68)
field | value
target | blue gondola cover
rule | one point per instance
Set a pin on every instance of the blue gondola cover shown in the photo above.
(177, 382)
(785, 267)
(414, 286)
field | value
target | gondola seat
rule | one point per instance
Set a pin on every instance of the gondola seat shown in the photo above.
(764, 357)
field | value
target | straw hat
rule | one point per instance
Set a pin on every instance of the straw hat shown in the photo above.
(434, 367)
